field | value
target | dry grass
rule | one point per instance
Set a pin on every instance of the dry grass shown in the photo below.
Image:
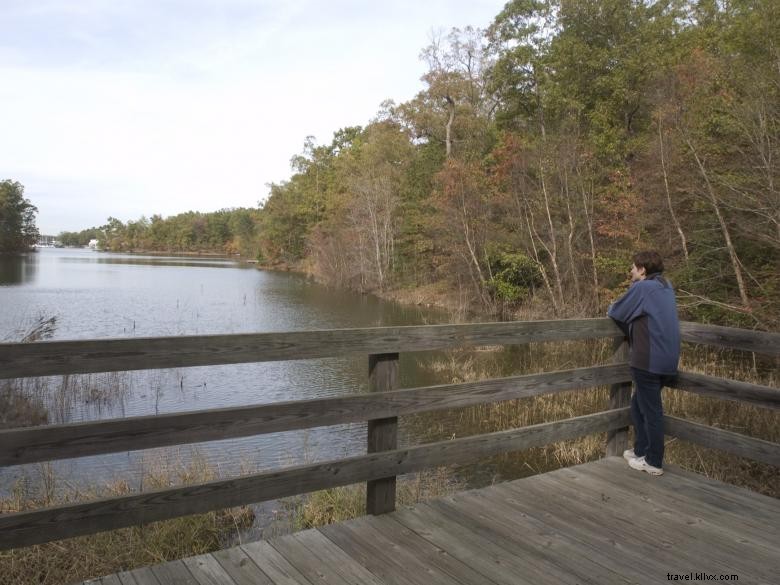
(463, 366)
(76, 559)
(342, 503)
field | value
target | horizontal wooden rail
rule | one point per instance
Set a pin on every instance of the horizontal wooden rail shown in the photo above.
(731, 337)
(28, 445)
(728, 441)
(49, 358)
(746, 392)
(28, 528)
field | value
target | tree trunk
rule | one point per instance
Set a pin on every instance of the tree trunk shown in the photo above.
(669, 195)
(553, 249)
(448, 129)
(570, 239)
(735, 263)
(540, 264)
(589, 223)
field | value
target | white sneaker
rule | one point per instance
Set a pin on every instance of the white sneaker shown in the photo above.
(640, 464)
(629, 454)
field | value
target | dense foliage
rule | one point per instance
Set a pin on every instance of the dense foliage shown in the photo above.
(17, 219)
(229, 231)
(539, 154)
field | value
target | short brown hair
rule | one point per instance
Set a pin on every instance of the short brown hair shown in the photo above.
(650, 260)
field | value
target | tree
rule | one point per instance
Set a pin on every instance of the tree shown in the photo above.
(17, 219)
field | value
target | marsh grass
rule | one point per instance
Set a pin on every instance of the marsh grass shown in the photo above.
(76, 559)
(457, 366)
(737, 417)
(342, 503)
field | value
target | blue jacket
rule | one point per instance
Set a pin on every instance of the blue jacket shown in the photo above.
(648, 313)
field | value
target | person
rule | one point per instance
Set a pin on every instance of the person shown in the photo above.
(647, 314)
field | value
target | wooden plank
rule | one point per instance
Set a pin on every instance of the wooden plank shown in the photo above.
(335, 558)
(207, 571)
(308, 564)
(426, 552)
(728, 441)
(367, 529)
(667, 501)
(278, 569)
(768, 508)
(383, 432)
(713, 543)
(29, 445)
(240, 567)
(506, 565)
(666, 549)
(587, 531)
(728, 389)
(578, 545)
(619, 397)
(173, 573)
(371, 556)
(140, 576)
(552, 556)
(52, 358)
(109, 580)
(731, 337)
(752, 512)
(34, 527)
(671, 497)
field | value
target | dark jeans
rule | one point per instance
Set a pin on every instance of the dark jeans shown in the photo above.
(647, 414)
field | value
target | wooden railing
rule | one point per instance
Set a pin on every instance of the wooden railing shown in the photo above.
(383, 461)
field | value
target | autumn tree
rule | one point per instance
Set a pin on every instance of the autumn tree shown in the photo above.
(17, 219)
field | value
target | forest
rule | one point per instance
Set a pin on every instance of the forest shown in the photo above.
(538, 155)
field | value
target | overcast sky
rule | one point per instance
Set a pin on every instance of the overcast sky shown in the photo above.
(130, 108)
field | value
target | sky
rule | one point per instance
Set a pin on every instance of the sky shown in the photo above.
(126, 108)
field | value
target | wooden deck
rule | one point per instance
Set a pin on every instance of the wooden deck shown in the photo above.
(597, 523)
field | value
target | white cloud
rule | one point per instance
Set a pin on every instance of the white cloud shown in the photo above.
(125, 114)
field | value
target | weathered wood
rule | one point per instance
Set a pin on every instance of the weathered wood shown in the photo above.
(307, 563)
(598, 522)
(34, 527)
(396, 552)
(49, 358)
(502, 565)
(567, 551)
(334, 558)
(173, 573)
(730, 442)
(619, 397)
(547, 555)
(756, 516)
(207, 571)
(29, 445)
(728, 389)
(240, 567)
(142, 576)
(382, 433)
(425, 552)
(731, 337)
(717, 547)
(274, 564)
(370, 555)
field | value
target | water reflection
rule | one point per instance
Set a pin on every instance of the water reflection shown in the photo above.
(98, 258)
(18, 269)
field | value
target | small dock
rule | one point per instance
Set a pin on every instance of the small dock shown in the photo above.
(599, 522)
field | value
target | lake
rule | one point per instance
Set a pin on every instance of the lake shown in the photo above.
(105, 295)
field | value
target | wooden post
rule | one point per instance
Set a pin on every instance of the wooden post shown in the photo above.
(619, 397)
(382, 432)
